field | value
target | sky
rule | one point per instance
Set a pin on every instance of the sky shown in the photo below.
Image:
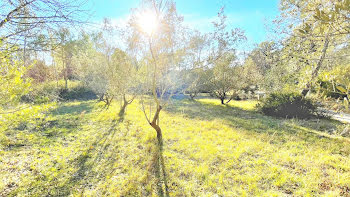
(250, 15)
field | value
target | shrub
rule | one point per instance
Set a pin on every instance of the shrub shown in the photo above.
(288, 105)
(51, 91)
(77, 93)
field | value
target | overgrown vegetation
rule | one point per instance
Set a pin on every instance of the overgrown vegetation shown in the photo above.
(56, 91)
(289, 105)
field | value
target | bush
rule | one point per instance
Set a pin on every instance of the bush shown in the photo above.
(77, 93)
(288, 105)
(50, 91)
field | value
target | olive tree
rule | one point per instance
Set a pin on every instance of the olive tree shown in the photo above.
(156, 32)
(314, 29)
(222, 56)
(194, 73)
(221, 77)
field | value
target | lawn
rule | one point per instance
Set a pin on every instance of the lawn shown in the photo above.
(81, 149)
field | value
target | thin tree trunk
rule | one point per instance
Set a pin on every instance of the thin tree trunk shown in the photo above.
(318, 66)
(230, 99)
(25, 51)
(66, 83)
(101, 97)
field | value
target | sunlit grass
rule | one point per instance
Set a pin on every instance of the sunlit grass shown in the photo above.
(209, 149)
(245, 104)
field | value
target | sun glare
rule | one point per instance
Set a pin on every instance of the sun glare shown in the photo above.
(148, 22)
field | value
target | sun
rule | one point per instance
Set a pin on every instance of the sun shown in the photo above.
(148, 22)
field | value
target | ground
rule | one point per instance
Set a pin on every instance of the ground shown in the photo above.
(82, 149)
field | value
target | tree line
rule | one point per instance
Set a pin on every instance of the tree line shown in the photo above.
(310, 53)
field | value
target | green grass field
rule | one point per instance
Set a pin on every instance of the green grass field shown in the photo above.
(81, 149)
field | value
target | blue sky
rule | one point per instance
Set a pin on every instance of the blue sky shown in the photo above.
(250, 15)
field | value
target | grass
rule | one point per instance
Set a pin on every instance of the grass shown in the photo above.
(80, 149)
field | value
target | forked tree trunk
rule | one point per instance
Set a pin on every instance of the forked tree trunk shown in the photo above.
(222, 100)
(108, 100)
(125, 103)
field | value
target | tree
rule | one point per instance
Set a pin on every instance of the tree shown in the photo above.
(194, 76)
(222, 56)
(90, 63)
(107, 70)
(63, 54)
(265, 65)
(12, 82)
(223, 41)
(221, 78)
(316, 28)
(156, 34)
(22, 20)
(120, 70)
(194, 81)
(39, 71)
(159, 40)
(124, 77)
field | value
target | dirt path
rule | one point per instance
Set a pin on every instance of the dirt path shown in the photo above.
(340, 116)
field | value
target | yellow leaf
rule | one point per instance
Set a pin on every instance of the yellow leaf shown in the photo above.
(341, 89)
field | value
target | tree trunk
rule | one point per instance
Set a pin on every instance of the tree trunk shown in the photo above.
(155, 125)
(101, 97)
(122, 109)
(222, 101)
(318, 67)
(192, 96)
(159, 134)
(108, 100)
(66, 82)
(125, 104)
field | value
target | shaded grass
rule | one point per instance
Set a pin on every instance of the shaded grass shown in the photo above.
(209, 149)
(72, 108)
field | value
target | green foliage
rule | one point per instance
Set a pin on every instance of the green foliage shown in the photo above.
(329, 89)
(336, 83)
(55, 91)
(12, 82)
(78, 92)
(288, 105)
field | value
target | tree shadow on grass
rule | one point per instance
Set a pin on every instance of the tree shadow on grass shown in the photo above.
(121, 115)
(64, 109)
(156, 171)
(85, 175)
(65, 119)
(102, 155)
(252, 121)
